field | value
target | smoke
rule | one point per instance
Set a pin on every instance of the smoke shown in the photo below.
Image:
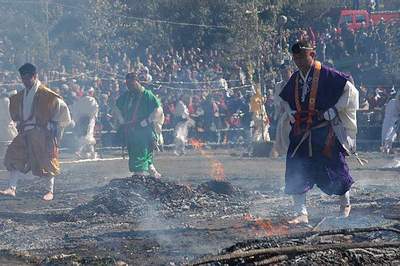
(395, 163)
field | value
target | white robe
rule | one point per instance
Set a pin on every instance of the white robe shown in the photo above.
(389, 130)
(347, 107)
(7, 126)
(61, 115)
(86, 107)
(283, 126)
(157, 117)
(182, 127)
(260, 126)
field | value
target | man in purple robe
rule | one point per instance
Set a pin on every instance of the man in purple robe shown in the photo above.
(316, 96)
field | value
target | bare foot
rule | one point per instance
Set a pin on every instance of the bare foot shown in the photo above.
(153, 172)
(8, 192)
(301, 219)
(48, 196)
(274, 154)
(345, 211)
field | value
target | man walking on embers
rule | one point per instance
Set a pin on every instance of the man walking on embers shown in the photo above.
(41, 116)
(138, 111)
(322, 103)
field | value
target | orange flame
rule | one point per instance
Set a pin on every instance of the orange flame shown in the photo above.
(217, 168)
(197, 144)
(217, 171)
(265, 227)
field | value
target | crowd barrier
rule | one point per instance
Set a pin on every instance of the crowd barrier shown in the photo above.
(368, 138)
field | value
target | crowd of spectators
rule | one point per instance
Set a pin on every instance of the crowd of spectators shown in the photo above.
(217, 91)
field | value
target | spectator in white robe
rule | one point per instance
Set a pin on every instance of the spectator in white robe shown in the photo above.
(8, 131)
(84, 114)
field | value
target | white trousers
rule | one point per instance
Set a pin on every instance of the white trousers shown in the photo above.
(15, 176)
(300, 206)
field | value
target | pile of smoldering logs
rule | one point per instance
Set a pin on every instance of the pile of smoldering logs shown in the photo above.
(141, 196)
(357, 246)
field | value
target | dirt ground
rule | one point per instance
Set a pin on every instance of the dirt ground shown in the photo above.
(33, 231)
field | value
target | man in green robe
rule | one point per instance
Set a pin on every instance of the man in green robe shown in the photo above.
(138, 112)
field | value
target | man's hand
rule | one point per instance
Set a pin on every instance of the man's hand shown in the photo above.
(330, 114)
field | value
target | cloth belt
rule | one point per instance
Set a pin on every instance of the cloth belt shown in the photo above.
(308, 135)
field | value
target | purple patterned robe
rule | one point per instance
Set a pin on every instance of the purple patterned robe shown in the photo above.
(329, 173)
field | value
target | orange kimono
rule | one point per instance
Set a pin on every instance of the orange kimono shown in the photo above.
(35, 147)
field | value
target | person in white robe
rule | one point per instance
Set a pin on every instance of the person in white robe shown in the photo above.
(281, 117)
(84, 113)
(182, 127)
(391, 124)
(41, 116)
(8, 131)
(260, 121)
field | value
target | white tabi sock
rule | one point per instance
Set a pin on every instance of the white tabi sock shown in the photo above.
(49, 186)
(14, 177)
(300, 207)
(345, 199)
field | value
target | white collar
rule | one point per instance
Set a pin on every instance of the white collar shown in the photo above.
(306, 77)
(33, 89)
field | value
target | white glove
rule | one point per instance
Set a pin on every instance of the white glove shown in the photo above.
(291, 117)
(330, 114)
(144, 123)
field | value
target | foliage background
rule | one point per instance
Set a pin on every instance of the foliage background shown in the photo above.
(54, 31)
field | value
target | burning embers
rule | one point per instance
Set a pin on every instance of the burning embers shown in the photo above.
(264, 227)
(135, 197)
(217, 168)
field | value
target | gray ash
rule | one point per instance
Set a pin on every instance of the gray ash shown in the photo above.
(139, 195)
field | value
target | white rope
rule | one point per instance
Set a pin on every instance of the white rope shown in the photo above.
(207, 89)
(176, 23)
(192, 82)
(53, 80)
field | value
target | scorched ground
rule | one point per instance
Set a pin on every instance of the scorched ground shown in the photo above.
(100, 216)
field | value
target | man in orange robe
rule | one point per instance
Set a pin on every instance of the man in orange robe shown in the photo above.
(41, 115)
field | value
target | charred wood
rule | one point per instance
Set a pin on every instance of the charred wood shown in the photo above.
(294, 250)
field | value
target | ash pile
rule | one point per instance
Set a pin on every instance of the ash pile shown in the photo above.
(137, 196)
(357, 246)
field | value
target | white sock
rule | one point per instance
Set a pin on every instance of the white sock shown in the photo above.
(14, 177)
(300, 204)
(49, 186)
(345, 199)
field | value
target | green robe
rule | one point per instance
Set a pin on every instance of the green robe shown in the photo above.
(139, 140)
